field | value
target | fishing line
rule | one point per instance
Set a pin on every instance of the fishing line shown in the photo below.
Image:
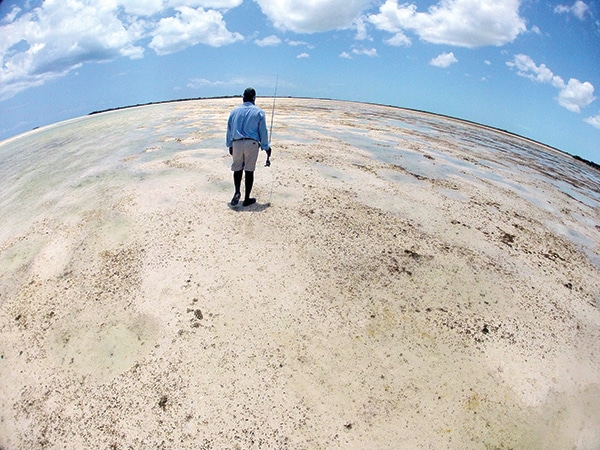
(273, 109)
(268, 162)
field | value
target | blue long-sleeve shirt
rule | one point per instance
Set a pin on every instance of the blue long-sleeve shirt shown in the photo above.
(247, 121)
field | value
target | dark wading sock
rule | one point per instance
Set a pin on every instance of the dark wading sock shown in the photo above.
(237, 180)
(249, 183)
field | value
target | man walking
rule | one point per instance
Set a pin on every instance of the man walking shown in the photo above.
(246, 133)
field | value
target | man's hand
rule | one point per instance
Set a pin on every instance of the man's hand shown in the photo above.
(231, 151)
(268, 162)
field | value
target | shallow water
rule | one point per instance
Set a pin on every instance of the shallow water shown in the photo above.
(440, 148)
(92, 152)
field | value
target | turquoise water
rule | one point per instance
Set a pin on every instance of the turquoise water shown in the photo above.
(87, 158)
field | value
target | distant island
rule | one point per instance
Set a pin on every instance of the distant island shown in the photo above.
(578, 158)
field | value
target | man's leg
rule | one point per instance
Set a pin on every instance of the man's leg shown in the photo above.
(249, 181)
(237, 183)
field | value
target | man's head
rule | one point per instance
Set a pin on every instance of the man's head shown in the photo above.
(249, 95)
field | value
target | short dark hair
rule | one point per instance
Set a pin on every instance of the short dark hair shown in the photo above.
(249, 94)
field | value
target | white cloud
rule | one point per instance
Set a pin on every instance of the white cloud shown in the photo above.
(191, 27)
(12, 14)
(312, 16)
(463, 23)
(399, 40)
(573, 95)
(261, 84)
(393, 18)
(593, 121)
(361, 29)
(535, 29)
(371, 52)
(444, 60)
(269, 41)
(576, 95)
(527, 68)
(213, 4)
(296, 43)
(579, 9)
(303, 56)
(140, 7)
(57, 37)
(197, 83)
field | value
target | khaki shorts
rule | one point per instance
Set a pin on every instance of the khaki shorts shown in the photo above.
(245, 155)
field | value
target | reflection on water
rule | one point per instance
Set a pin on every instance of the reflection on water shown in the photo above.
(473, 152)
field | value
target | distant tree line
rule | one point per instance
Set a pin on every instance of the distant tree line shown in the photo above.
(117, 108)
(589, 163)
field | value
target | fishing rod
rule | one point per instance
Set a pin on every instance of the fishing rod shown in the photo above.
(268, 163)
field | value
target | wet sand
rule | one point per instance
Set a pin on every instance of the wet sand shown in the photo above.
(404, 281)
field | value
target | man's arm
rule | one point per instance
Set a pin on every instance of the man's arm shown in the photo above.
(262, 132)
(229, 135)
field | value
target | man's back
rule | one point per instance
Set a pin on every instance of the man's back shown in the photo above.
(247, 121)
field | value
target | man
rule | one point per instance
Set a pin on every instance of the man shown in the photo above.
(246, 132)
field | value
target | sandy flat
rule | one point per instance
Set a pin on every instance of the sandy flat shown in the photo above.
(404, 281)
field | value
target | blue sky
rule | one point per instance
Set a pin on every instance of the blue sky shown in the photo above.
(531, 67)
